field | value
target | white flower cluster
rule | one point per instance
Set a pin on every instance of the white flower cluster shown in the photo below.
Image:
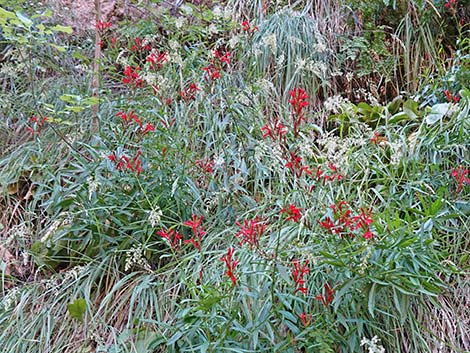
(93, 185)
(155, 216)
(373, 345)
(337, 150)
(270, 41)
(135, 258)
(9, 300)
(335, 104)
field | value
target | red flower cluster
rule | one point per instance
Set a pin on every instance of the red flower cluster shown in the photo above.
(132, 117)
(138, 46)
(132, 76)
(298, 103)
(377, 139)
(250, 231)
(344, 223)
(305, 319)
(189, 93)
(36, 123)
(293, 213)
(461, 176)
(294, 163)
(231, 263)
(299, 271)
(101, 26)
(198, 231)
(333, 175)
(207, 165)
(248, 28)
(276, 131)
(173, 237)
(125, 162)
(450, 97)
(328, 296)
(217, 64)
(157, 60)
(451, 5)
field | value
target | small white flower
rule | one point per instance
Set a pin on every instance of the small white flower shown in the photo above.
(155, 216)
(217, 12)
(213, 29)
(270, 41)
(180, 22)
(233, 41)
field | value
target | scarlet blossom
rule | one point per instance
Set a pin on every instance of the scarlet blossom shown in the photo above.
(231, 263)
(212, 73)
(140, 46)
(124, 162)
(327, 297)
(198, 231)
(378, 139)
(189, 93)
(247, 27)
(101, 26)
(276, 131)
(132, 76)
(451, 98)
(298, 100)
(299, 271)
(295, 164)
(305, 319)
(148, 127)
(207, 165)
(461, 176)
(130, 117)
(292, 212)
(157, 60)
(37, 124)
(223, 58)
(250, 231)
(173, 237)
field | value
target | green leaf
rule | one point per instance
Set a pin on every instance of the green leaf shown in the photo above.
(77, 309)
(25, 20)
(371, 302)
(64, 29)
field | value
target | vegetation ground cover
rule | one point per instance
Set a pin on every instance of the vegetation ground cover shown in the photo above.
(236, 176)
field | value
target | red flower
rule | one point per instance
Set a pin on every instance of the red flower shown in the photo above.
(148, 127)
(101, 26)
(132, 76)
(293, 213)
(461, 177)
(231, 263)
(305, 319)
(278, 130)
(298, 273)
(198, 231)
(247, 27)
(298, 103)
(212, 73)
(450, 97)
(207, 166)
(124, 162)
(157, 60)
(173, 237)
(250, 231)
(189, 93)
(327, 297)
(377, 139)
(295, 164)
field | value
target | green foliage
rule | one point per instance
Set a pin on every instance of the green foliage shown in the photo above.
(338, 224)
